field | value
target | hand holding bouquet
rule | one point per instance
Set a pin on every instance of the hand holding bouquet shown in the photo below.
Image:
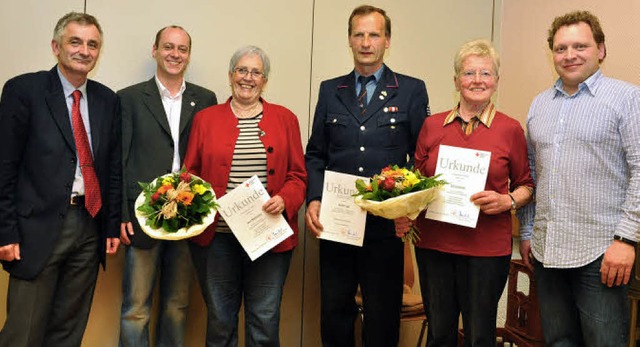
(175, 206)
(397, 192)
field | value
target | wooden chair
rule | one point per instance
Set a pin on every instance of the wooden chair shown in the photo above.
(523, 326)
(412, 307)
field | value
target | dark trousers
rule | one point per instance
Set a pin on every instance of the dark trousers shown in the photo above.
(453, 284)
(378, 268)
(576, 309)
(228, 278)
(53, 309)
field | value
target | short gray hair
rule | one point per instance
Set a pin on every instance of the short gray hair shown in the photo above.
(248, 50)
(74, 17)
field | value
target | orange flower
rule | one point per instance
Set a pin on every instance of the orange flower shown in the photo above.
(185, 198)
(163, 188)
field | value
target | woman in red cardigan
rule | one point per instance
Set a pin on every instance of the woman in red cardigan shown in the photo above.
(464, 270)
(229, 143)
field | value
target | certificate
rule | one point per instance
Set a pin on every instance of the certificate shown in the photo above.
(256, 230)
(342, 219)
(465, 171)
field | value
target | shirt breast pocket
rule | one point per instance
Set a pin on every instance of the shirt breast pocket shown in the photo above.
(395, 128)
(340, 134)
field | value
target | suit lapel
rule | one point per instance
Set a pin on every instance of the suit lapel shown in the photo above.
(386, 89)
(56, 102)
(153, 101)
(346, 92)
(96, 107)
(189, 102)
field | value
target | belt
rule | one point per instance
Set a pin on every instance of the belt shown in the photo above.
(77, 200)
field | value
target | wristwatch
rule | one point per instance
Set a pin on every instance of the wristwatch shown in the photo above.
(513, 203)
(625, 240)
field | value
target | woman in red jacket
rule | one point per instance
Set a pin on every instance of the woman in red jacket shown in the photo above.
(229, 143)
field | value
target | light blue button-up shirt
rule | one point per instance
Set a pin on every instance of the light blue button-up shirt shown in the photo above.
(371, 85)
(68, 89)
(584, 152)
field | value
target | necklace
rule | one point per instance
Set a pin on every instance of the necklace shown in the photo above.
(244, 113)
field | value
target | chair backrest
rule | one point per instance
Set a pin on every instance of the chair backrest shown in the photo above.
(634, 286)
(523, 310)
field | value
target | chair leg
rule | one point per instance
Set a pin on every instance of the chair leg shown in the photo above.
(361, 314)
(634, 322)
(424, 327)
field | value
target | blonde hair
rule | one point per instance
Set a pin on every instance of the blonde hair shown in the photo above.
(480, 48)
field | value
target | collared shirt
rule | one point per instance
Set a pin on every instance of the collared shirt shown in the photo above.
(485, 117)
(371, 85)
(68, 89)
(172, 108)
(584, 152)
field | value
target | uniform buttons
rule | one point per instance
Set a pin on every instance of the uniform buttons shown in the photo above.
(362, 128)
(272, 171)
(392, 120)
(361, 149)
(270, 149)
(360, 169)
(335, 120)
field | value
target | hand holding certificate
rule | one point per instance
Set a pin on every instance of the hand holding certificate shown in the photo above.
(256, 230)
(343, 220)
(466, 172)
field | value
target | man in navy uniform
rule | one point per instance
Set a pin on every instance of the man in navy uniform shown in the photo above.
(364, 121)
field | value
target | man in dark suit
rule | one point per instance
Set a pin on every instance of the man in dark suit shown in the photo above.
(360, 127)
(157, 116)
(60, 191)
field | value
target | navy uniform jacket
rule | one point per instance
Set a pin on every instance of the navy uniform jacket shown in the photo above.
(38, 165)
(343, 140)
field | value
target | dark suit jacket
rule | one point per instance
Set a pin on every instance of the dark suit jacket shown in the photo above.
(343, 140)
(38, 162)
(147, 150)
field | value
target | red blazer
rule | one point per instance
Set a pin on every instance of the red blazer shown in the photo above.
(210, 151)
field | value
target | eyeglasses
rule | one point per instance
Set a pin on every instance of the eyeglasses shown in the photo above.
(243, 71)
(485, 75)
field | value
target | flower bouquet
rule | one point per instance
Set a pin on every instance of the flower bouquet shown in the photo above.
(175, 206)
(397, 192)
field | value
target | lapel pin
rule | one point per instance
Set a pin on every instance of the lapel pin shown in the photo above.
(384, 92)
(381, 97)
(393, 109)
(386, 109)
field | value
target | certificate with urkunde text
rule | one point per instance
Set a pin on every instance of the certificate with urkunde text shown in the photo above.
(465, 171)
(256, 230)
(342, 220)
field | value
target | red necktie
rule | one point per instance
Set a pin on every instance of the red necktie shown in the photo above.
(93, 200)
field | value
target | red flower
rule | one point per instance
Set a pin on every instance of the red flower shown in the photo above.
(155, 197)
(185, 177)
(388, 184)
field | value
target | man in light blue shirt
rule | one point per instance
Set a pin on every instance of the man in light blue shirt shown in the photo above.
(584, 151)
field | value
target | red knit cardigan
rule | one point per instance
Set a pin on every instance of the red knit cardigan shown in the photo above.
(210, 152)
